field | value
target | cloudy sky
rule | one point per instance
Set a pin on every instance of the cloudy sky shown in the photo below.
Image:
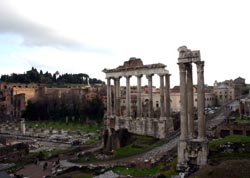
(78, 36)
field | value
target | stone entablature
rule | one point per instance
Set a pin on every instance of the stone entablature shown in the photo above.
(188, 56)
(128, 69)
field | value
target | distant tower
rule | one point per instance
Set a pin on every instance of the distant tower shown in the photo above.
(215, 83)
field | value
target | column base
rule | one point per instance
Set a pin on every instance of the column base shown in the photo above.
(192, 152)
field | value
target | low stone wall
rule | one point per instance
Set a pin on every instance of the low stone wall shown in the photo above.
(155, 127)
(233, 129)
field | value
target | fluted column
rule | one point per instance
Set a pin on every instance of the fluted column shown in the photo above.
(162, 95)
(109, 108)
(150, 95)
(167, 95)
(128, 98)
(139, 103)
(190, 100)
(201, 100)
(183, 98)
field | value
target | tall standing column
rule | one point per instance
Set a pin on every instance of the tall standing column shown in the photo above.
(183, 98)
(162, 95)
(167, 95)
(139, 103)
(114, 97)
(190, 100)
(150, 94)
(118, 97)
(128, 98)
(109, 109)
(201, 100)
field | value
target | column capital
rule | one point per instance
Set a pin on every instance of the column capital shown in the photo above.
(149, 76)
(139, 76)
(200, 66)
(109, 78)
(117, 77)
(161, 75)
(128, 76)
(182, 67)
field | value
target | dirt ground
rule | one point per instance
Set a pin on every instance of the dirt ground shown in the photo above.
(225, 169)
(36, 170)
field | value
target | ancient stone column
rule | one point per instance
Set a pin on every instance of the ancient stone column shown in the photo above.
(115, 97)
(150, 95)
(118, 97)
(167, 95)
(128, 98)
(183, 98)
(190, 100)
(139, 103)
(109, 109)
(201, 100)
(162, 95)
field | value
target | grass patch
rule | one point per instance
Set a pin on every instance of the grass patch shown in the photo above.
(229, 156)
(243, 119)
(140, 144)
(47, 154)
(63, 125)
(232, 138)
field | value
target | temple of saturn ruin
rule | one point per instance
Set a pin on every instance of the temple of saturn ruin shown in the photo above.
(193, 146)
(140, 123)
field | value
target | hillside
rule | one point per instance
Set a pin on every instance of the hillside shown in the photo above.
(33, 76)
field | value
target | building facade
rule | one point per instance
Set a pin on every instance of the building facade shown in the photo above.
(229, 90)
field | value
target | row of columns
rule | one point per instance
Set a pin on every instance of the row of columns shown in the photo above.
(164, 96)
(186, 97)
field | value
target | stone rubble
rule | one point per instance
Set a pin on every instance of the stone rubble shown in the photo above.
(108, 174)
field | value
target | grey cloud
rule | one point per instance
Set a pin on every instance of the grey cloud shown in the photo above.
(34, 34)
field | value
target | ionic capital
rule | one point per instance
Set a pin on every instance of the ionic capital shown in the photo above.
(128, 76)
(139, 76)
(161, 75)
(117, 77)
(149, 76)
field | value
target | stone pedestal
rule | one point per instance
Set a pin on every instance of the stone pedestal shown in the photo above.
(182, 159)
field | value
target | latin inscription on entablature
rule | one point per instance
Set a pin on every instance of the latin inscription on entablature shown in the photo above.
(189, 56)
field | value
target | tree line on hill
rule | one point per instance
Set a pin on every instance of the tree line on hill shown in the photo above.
(59, 108)
(33, 76)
